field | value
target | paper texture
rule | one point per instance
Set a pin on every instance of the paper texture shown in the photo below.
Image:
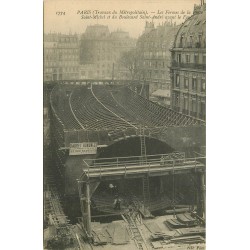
(124, 124)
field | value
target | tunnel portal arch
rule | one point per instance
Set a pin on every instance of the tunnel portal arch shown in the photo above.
(131, 147)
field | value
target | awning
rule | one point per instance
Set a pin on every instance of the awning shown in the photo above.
(162, 93)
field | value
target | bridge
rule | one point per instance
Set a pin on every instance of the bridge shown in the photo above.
(138, 166)
(134, 167)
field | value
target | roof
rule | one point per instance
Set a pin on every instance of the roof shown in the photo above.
(162, 93)
(192, 33)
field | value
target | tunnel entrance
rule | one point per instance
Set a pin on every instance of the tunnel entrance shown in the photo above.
(132, 147)
(164, 190)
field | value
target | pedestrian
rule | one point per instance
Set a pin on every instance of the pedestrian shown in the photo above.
(111, 188)
(117, 203)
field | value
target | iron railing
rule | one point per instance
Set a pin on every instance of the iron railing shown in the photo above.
(133, 164)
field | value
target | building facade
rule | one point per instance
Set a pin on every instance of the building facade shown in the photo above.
(61, 57)
(153, 46)
(188, 66)
(100, 51)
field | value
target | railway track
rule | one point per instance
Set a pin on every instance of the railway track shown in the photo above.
(56, 218)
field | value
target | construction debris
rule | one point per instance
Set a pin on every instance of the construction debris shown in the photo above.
(152, 227)
(187, 219)
(188, 240)
(177, 210)
(182, 221)
(191, 231)
(163, 236)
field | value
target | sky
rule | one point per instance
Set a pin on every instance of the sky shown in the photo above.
(66, 16)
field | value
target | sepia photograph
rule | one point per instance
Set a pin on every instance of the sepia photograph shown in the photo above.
(124, 124)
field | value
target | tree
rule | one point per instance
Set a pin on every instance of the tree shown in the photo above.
(131, 61)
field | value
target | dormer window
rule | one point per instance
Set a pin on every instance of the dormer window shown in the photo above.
(181, 41)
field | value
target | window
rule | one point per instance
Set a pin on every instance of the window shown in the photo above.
(177, 100)
(194, 81)
(185, 103)
(196, 58)
(203, 85)
(186, 83)
(203, 110)
(190, 44)
(204, 58)
(179, 58)
(177, 81)
(181, 41)
(193, 105)
(187, 58)
(200, 36)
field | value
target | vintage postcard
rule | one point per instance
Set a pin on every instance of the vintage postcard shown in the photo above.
(124, 124)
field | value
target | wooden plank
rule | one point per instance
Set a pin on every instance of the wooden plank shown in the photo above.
(110, 229)
(192, 231)
(152, 227)
(156, 245)
(119, 237)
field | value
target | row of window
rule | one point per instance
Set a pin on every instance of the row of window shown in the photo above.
(193, 58)
(63, 51)
(103, 65)
(72, 57)
(108, 44)
(154, 64)
(60, 63)
(192, 41)
(152, 44)
(70, 69)
(53, 38)
(190, 104)
(60, 57)
(153, 54)
(68, 46)
(104, 57)
(194, 83)
(156, 74)
(98, 72)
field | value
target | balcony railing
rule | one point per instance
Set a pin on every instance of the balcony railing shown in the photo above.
(188, 65)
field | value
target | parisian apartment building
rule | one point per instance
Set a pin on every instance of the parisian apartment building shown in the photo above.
(100, 51)
(188, 66)
(61, 56)
(155, 57)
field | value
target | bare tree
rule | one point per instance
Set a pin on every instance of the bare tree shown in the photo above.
(131, 61)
